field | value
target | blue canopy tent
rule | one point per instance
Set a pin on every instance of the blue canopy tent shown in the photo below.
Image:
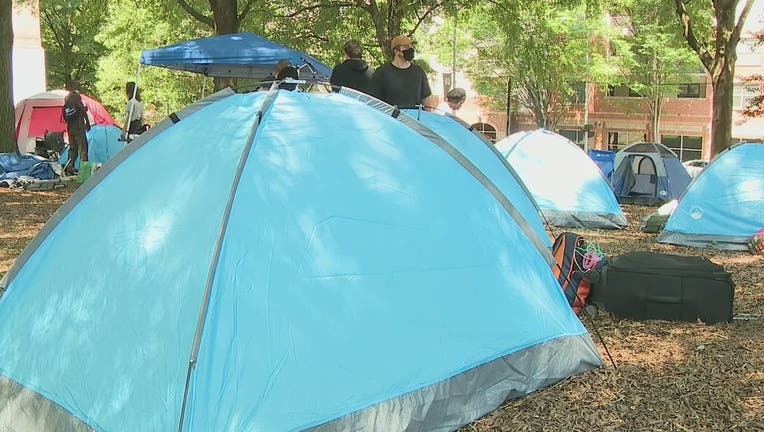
(724, 206)
(240, 55)
(323, 266)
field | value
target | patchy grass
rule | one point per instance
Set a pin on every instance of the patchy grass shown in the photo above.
(671, 376)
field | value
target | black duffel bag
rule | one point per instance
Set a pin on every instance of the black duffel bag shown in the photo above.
(656, 286)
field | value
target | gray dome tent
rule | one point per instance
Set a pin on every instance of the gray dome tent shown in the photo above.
(648, 173)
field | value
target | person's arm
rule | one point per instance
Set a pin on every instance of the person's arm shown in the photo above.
(83, 110)
(375, 84)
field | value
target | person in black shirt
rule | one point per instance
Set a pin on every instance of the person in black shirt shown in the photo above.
(353, 72)
(75, 114)
(400, 82)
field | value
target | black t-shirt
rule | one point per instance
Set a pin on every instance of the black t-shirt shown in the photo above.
(80, 120)
(404, 88)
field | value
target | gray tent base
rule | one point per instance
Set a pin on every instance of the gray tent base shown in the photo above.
(704, 241)
(443, 406)
(585, 220)
(450, 404)
(23, 410)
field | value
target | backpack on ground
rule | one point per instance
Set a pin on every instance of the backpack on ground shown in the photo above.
(577, 266)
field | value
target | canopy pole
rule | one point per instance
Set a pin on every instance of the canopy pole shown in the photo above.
(130, 112)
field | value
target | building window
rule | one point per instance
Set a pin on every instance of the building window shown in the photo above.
(618, 140)
(622, 91)
(578, 94)
(577, 136)
(742, 95)
(692, 91)
(686, 147)
(487, 130)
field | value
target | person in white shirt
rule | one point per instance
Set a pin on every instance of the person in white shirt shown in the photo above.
(134, 110)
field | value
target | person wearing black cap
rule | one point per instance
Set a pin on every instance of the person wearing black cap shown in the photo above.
(354, 72)
(400, 82)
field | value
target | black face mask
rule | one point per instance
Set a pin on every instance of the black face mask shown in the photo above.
(408, 54)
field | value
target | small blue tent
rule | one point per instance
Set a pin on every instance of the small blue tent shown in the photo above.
(240, 55)
(724, 205)
(567, 185)
(485, 157)
(648, 173)
(104, 143)
(323, 266)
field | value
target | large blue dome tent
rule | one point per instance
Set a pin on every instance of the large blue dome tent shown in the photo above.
(724, 206)
(485, 156)
(322, 266)
(648, 173)
(567, 185)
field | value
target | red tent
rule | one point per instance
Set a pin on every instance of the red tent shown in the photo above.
(41, 113)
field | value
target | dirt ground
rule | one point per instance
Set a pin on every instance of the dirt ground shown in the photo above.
(671, 376)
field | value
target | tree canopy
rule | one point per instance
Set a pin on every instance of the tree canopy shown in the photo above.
(546, 48)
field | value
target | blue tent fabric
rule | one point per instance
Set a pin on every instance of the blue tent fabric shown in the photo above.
(240, 55)
(567, 185)
(648, 173)
(490, 162)
(104, 143)
(724, 205)
(337, 269)
(605, 161)
(13, 166)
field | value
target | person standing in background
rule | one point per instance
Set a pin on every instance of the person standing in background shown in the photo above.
(354, 72)
(75, 115)
(400, 82)
(134, 109)
(454, 100)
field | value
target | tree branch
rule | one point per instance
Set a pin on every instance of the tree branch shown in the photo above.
(741, 21)
(313, 7)
(430, 10)
(204, 19)
(245, 11)
(689, 35)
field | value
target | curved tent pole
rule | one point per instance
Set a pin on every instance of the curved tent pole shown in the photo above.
(202, 318)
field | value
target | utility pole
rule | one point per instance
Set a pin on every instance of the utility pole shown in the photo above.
(509, 106)
(453, 54)
(586, 109)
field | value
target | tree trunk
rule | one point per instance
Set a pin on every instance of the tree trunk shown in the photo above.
(7, 116)
(225, 16)
(721, 119)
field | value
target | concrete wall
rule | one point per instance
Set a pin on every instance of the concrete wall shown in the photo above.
(29, 72)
